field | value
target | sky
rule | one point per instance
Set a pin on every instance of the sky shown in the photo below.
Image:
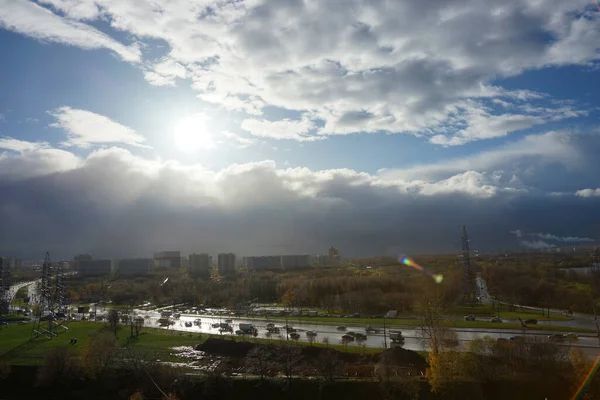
(285, 126)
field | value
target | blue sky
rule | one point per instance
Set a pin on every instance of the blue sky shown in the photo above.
(306, 106)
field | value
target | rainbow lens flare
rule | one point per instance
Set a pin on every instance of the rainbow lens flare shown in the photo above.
(588, 378)
(438, 278)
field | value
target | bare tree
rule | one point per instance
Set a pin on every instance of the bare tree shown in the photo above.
(259, 360)
(326, 341)
(434, 328)
(289, 358)
(138, 323)
(329, 365)
(113, 320)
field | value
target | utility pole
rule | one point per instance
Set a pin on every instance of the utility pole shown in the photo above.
(384, 334)
(468, 281)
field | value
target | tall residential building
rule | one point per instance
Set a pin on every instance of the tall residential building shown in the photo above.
(82, 257)
(5, 282)
(79, 258)
(5, 273)
(334, 256)
(134, 266)
(226, 263)
(102, 267)
(262, 263)
(167, 259)
(295, 261)
(200, 265)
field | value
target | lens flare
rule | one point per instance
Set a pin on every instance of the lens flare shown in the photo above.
(438, 278)
(588, 378)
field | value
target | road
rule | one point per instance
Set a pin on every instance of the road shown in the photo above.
(12, 292)
(413, 339)
(577, 320)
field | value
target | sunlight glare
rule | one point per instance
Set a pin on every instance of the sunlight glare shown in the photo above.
(191, 134)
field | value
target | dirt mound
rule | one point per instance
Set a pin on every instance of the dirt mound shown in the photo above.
(406, 358)
(226, 347)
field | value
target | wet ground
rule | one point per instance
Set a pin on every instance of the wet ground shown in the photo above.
(413, 338)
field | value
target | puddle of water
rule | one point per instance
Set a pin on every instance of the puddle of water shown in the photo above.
(195, 359)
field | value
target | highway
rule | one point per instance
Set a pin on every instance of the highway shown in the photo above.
(413, 338)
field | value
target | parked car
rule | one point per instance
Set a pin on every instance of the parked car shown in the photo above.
(496, 320)
(355, 315)
(341, 328)
(470, 317)
(531, 321)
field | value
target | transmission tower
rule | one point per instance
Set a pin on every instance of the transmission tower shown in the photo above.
(5, 281)
(596, 261)
(50, 320)
(468, 281)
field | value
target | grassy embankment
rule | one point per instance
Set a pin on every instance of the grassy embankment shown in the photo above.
(16, 347)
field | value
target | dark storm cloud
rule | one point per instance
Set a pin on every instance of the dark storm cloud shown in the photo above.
(116, 204)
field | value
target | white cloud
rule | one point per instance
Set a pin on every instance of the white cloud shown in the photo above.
(588, 193)
(513, 158)
(282, 129)
(28, 18)
(400, 67)
(566, 239)
(35, 161)
(165, 72)
(86, 128)
(548, 236)
(243, 141)
(76, 9)
(537, 244)
(21, 146)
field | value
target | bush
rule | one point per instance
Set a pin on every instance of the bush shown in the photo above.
(59, 368)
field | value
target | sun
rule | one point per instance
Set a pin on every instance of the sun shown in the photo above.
(191, 134)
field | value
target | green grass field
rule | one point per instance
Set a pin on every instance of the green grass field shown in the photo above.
(486, 311)
(17, 348)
